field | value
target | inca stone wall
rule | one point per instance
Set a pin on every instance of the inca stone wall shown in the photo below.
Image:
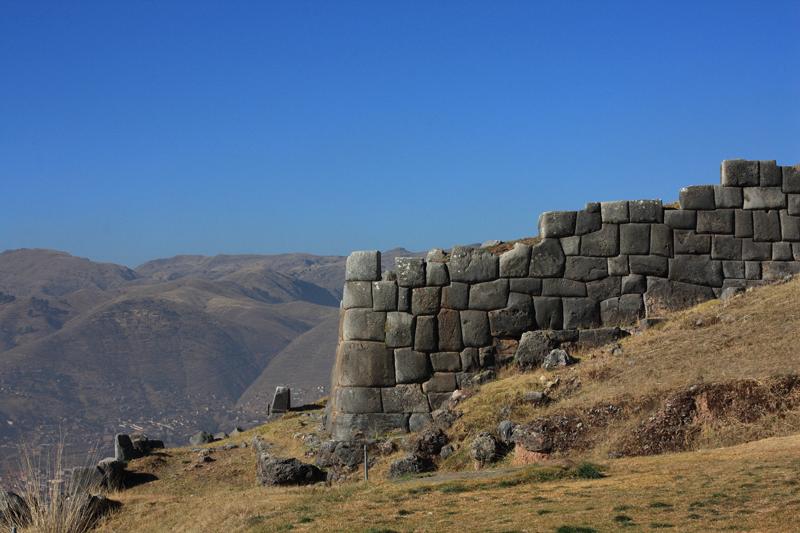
(409, 338)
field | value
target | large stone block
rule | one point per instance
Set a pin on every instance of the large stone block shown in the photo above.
(733, 269)
(357, 294)
(531, 286)
(449, 330)
(696, 269)
(791, 179)
(563, 287)
(622, 311)
(663, 295)
(796, 250)
(585, 268)
(680, 218)
(700, 197)
(489, 295)
(790, 227)
(404, 299)
(533, 348)
(648, 265)
(364, 364)
(384, 296)
(689, 242)
(782, 251)
(472, 265)
(446, 361)
(726, 247)
(739, 173)
(355, 426)
(614, 212)
(604, 288)
(410, 271)
(436, 274)
(554, 224)
(363, 325)
(718, 221)
(769, 174)
(581, 313)
(777, 270)
(425, 334)
(363, 266)
(475, 328)
(743, 224)
(358, 399)
(752, 270)
(549, 314)
(425, 300)
(756, 251)
(411, 366)
(547, 259)
(646, 211)
(661, 240)
(455, 296)
(440, 382)
(728, 197)
(470, 360)
(571, 245)
(764, 198)
(618, 266)
(588, 221)
(793, 204)
(634, 239)
(404, 399)
(634, 284)
(766, 226)
(603, 243)
(513, 320)
(399, 329)
(516, 262)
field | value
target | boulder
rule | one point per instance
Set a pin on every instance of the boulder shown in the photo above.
(505, 430)
(429, 443)
(484, 449)
(94, 507)
(201, 437)
(274, 471)
(533, 348)
(557, 358)
(410, 465)
(123, 448)
(531, 439)
(281, 400)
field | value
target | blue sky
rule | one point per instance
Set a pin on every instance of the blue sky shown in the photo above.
(136, 130)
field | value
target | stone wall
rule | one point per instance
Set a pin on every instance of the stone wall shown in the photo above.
(408, 338)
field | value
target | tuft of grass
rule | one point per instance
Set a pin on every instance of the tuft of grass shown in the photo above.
(575, 529)
(660, 505)
(587, 471)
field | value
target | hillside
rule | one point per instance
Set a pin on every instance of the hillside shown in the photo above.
(694, 424)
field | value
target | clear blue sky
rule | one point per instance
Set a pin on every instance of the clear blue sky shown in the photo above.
(136, 130)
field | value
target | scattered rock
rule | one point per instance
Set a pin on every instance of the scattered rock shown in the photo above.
(96, 507)
(409, 465)
(531, 439)
(219, 436)
(484, 449)
(444, 418)
(535, 398)
(557, 358)
(201, 437)
(533, 348)
(274, 471)
(447, 451)
(123, 448)
(430, 442)
(340, 455)
(505, 430)
(113, 473)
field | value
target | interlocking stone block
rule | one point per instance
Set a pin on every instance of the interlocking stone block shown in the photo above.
(777, 270)
(554, 224)
(585, 268)
(440, 382)
(446, 361)
(436, 274)
(733, 269)
(419, 421)
(661, 240)
(588, 221)
(766, 226)
(603, 243)
(571, 245)
(384, 296)
(688, 242)
(358, 399)
(411, 366)
(399, 329)
(489, 295)
(770, 174)
(728, 197)
(357, 294)
(680, 218)
(533, 348)
(425, 334)
(471, 266)
(648, 265)
(726, 247)
(363, 266)
(549, 314)
(782, 251)
(793, 203)
(756, 251)
(790, 227)
(614, 212)
(563, 287)
(739, 173)
(618, 266)
(743, 223)
(634, 284)
(796, 250)
(531, 286)
(752, 270)
(646, 211)
(404, 399)
(604, 288)
(634, 239)
(364, 364)
(513, 320)
(700, 197)
(516, 262)
(791, 178)
(425, 300)
(347, 426)
(455, 296)
(410, 271)
(389, 275)
(547, 259)
(364, 325)
(718, 221)
(696, 269)
(475, 328)
(663, 295)
(449, 323)
(622, 311)
(470, 360)
(581, 313)
(436, 255)
(764, 198)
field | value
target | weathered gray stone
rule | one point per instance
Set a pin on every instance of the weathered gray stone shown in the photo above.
(680, 218)
(357, 294)
(549, 314)
(634, 239)
(123, 448)
(554, 224)
(603, 243)
(531, 286)
(777, 270)
(752, 270)
(489, 295)
(618, 266)
(363, 325)
(364, 364)
(440, 382)
(384, 296)
(470, 361)
(200, 438)
(358, 399)
(718, 221)
(446, 361)
(389, 275)
(766, 226)
(646, 211)
(547, 259)
(436, 274)
(484, 449)
(700, 197)
(634, 284)
(764, 198)
(449, 330)
(770, 174)
(557, 358)
(513, 320)
(563, 287)
(436, 255)
(790, 227)
(596, 337)
(756, 251)
(614, 212)
(487, 356)
(661, 240)
(363, 266)
(696, 269)
(472, 266)
(588, 221)
(726, 197)
(791, 178)
(585, 268)
(279, 471)
(782, 251)
(425, 300)
(505, 430)
(581, 313)
(455, 296)
(622, 311)
(411, 366)
(796, 250)
(663, 295)
(404, 299)
(404, 399)
(739, 173)
(726, 247)
(347, 426)
(516, 262)
(648, 265)
(419, 421)
(410, 271)
(689, 242)
(793, 204)
(425, 334)
(604, 288)
(743, 222)
(475, 328)
(733, 269)
(533, 348)
(571, 245)
(399, 329)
